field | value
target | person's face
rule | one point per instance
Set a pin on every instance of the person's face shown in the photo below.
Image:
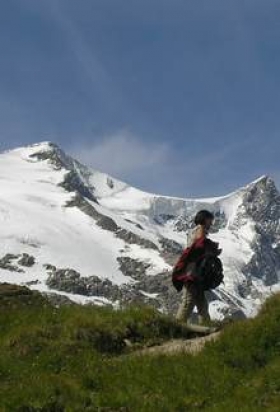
(209, 223)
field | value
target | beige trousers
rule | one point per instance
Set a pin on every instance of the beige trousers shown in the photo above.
(193, 296)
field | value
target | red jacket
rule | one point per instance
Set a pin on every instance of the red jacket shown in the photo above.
(192, 254)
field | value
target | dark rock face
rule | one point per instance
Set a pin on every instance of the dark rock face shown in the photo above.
(6, 263)
(11, 261)
(163, 218)
(48, 267)
(262, 205)
(76, 180)
(134, 268)
(165, 296)
(70, 281)
(233, 313)
(183, 223)
(135, 224)
(160, 285)
(220, 221)
(72, 183)
(107, 223)
(132, 238)
(26, 260)
(245, 288)
(170, 250)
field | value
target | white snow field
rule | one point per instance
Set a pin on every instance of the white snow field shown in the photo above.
(35, 220)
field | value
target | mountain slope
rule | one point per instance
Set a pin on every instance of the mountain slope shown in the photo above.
(81, 358)
(94, 238)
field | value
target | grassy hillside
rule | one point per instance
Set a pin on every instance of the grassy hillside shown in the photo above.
(74, 358)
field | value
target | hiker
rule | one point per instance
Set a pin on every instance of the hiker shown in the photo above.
(184, 273)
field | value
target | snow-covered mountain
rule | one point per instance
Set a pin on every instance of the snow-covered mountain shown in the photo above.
(76, 232)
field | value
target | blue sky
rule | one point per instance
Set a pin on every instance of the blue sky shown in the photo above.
(173, 96)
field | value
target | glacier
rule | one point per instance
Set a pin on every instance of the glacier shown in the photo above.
(95, 239)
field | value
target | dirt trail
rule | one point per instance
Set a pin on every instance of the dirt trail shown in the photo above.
(174, 346)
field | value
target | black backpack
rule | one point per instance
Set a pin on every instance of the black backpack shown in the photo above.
(209, 272)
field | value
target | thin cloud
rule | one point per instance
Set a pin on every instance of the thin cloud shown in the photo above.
(122, 154)
(158, 167)
(231, 89)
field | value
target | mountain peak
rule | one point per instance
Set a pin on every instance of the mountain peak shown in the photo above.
(44, 146)
(48, 150)
(264, 183)
(262, 180)
(108, 241)
(47, 144)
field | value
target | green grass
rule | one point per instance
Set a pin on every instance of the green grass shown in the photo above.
(73, 358)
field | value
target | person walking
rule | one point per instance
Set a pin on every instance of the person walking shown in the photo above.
(184, 273)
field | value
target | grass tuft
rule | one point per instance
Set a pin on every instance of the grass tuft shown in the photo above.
(70, 359)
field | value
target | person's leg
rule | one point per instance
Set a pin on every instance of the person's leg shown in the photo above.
(202, 307)
(188, 302)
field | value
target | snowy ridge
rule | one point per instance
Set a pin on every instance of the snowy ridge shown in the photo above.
(95, 238)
